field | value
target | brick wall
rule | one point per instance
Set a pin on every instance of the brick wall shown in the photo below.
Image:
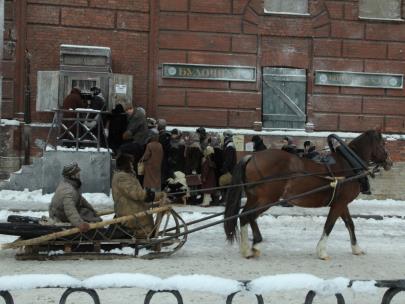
(218, 32)
(123, 26)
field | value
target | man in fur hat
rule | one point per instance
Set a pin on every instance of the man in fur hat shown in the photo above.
(68, 205)
(130, 198)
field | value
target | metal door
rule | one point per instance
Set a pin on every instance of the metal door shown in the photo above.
(284, 98)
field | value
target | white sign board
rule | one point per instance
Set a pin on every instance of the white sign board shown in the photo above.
(121, 88)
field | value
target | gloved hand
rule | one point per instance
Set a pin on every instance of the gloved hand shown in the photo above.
(84, 227)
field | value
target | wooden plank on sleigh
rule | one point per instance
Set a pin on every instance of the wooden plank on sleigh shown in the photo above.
(64, 233)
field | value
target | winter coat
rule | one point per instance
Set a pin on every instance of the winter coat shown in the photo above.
(259, 146)
(73, 100)
(129, 198)
(164, 139)
(229, 157)
(116, 127)
(152, 159)
(137, 128)
(193, 159)
(69, 206)
(176, 156)
(208, 176)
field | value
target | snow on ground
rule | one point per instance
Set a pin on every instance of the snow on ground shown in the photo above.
(288, 256)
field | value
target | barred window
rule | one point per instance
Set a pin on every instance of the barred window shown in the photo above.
(380, 9)
(295, 7)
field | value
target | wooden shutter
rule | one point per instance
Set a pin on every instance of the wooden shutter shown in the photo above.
(284, 98)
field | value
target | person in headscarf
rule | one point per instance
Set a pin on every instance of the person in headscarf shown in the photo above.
(258, 144)
(68, 205)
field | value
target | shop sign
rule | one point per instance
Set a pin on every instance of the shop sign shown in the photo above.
(209, 72)
(357, 79)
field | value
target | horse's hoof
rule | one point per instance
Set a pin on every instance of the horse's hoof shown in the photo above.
(256, 252)
(356, 250)
(325, 258)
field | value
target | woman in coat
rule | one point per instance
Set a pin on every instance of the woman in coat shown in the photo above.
(152, 160)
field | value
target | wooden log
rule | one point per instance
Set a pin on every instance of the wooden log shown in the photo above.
(59, 234)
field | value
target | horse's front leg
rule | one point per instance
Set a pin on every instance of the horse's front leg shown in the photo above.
(330, 222)
(257, 237)
(347, 218)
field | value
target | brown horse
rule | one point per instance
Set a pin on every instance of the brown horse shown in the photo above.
(272, 175)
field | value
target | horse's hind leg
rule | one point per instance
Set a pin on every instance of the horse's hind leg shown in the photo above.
(257, 236)
(246, 250)
(347, 218)
(334, 213)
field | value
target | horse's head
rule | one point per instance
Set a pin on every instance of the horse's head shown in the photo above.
(370, 146)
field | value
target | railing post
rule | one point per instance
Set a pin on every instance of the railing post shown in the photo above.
(6, 296)
(151, 293)
(390, 293)
(230, 297)
(91, 292)
(311, 295)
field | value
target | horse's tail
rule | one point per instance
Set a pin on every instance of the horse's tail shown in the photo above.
(233, 198)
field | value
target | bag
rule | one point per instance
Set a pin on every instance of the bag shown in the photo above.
(140, 168)
(225, 179)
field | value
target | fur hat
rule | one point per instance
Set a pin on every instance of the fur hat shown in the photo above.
(124, 162)
(70, 169)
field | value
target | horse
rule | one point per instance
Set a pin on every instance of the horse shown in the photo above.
(272, 176)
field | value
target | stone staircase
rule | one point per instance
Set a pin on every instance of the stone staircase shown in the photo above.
(28, 177)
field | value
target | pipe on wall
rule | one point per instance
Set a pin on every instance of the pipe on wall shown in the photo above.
(1, 49)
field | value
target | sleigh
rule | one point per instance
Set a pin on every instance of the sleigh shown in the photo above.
(110, 239)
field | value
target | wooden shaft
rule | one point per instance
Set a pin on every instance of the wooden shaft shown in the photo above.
(59, 234)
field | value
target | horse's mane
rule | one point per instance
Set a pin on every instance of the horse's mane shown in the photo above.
(361, 144)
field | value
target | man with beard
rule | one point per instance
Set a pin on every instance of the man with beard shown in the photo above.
(68, 205)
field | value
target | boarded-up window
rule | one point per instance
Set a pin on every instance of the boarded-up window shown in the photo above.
(284, 98)
(380, 9)
(286, 6)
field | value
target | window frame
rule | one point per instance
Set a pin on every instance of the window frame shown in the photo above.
(401, 19)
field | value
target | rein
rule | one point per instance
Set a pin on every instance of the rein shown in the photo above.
(254, 210)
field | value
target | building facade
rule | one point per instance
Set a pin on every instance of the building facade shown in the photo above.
(218, 63)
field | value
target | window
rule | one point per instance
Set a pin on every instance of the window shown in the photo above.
(295, 7)
(380, 9)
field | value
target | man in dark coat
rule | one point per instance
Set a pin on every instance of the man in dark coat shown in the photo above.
(258, 144)
(117, 125)
(136, 134)
(68, 205)
(176, 153)
(164, 139)
(229, 159)
(310, 150)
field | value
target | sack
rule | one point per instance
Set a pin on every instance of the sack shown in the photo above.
(140, 168)
(225, 179)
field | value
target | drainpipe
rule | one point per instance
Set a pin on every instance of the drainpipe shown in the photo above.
(1, 49)
(21, 92)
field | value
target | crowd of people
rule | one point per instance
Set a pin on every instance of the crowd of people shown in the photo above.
(160, 156)
(152, 161)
